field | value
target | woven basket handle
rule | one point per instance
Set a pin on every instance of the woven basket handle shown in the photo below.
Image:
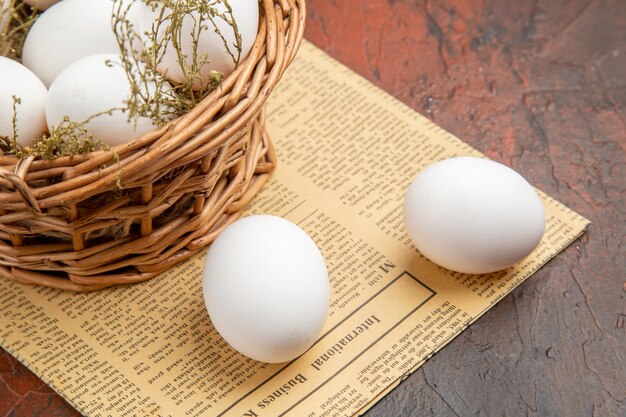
(17, 180)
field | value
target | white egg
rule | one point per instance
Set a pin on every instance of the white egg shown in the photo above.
(473, 215)
(41, 4)
(211, 44)
(266, 288)
(89, 87)
(67, 32)
(17, 80)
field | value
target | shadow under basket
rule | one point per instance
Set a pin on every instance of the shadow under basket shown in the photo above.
(123, 216)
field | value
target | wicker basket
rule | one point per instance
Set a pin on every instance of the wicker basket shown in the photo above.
(67, 224)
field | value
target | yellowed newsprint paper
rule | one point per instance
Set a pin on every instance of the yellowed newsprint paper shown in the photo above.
(347, 152)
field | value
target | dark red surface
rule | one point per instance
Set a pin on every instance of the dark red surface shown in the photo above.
(541, 86)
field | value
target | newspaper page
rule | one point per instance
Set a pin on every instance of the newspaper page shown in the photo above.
(347, 152)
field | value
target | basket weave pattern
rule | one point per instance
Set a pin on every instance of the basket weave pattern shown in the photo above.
(123, 216)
